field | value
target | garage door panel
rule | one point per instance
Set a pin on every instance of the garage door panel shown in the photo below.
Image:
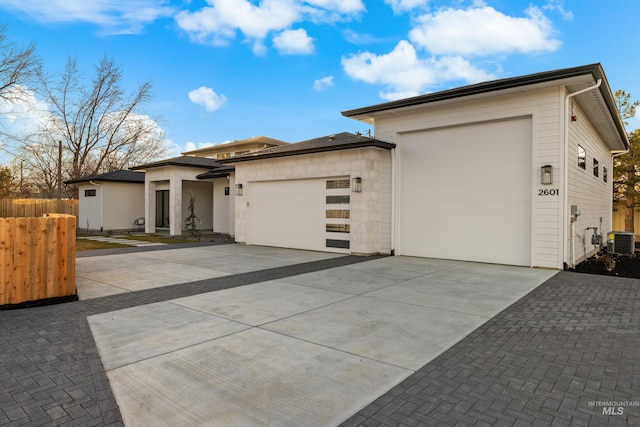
(293, 214)
(466, 192)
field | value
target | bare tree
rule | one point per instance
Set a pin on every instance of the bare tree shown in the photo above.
(101, 127)
(18, 68)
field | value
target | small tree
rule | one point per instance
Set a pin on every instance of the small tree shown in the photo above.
(626, 168)
(192, 220)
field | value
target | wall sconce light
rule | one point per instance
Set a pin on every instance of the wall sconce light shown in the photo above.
(356, 185)
(546, 175)
(238, 189)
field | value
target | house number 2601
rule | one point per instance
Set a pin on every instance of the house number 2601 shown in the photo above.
(549, 192)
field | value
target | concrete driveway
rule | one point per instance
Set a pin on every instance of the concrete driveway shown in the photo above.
(308, 349)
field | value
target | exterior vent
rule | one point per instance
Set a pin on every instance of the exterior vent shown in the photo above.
(620, 242)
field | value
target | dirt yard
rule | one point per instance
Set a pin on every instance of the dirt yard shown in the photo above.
(611, 264)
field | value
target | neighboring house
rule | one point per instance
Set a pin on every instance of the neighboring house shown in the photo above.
(110, 201)
(489, 172)
(169, 185)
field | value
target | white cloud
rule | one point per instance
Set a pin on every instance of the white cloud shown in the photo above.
(483, 31)
(221, 20)
(190, 146)
(25, 115)
(405, 74)
(114, 16)
(206, 97)
(323, 83)
(399, 6)
(290, 42)
(557, 6)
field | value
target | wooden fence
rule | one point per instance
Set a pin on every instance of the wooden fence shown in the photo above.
(37, 258)
(25, 208)
(617, 219)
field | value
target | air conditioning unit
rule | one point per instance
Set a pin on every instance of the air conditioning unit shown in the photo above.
(620, 242)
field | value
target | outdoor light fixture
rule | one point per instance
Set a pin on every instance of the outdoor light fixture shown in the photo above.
(356, 185)
(546, 175)
(238, 189)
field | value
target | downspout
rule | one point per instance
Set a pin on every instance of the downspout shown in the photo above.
(101, 205)
(393, 201)
(565, 174)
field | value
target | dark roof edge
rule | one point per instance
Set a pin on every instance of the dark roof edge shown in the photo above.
(595, 70)
(373, 143)
(480, 88)
(81, 180)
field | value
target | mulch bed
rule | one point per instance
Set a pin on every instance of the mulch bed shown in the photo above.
(611, 264)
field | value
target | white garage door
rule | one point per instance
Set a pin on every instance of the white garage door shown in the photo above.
(465, 193)
(308, 214)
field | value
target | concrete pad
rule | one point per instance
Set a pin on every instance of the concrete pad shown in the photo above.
(89, 265)
(400, 334)
(358, 279)
(495, 275)
(262, 302)
(152, 276)
(88, 289)
(131, 335)
(252, 378)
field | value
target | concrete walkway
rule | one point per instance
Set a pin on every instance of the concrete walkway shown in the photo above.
(324, 341)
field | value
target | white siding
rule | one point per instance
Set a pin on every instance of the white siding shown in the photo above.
(591, 194)
(545, 109)
(221, 202)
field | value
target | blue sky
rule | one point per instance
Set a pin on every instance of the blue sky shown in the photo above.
(232, 69)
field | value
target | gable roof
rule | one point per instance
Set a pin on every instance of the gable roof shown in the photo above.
(235, 145)
(599, 104)
(185, 161)
(115, 176)
(339, 141)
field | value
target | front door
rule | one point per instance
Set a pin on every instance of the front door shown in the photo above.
(162, 208)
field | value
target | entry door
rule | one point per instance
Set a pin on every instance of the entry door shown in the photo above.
(162, 208)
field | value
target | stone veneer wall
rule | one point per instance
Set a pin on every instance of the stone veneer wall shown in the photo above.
(366, 207)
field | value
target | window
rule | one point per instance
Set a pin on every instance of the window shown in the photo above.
(337, 199)
(334, 243)
(596, 169)
(337, 213)
(223, 156)
(337, 228)
(89, 193)
(338, 183)
(239, 153)
(582, 158)
(604, 174)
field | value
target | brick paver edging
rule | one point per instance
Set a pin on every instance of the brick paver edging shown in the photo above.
(567, 354)
(50, 369)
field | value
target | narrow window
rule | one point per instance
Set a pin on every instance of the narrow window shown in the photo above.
(337, 183)
(582, 158)
(334, 243)
(337, 213)
(596, 169)
(337, 228)
(89, 193)
(604, 174)
(337, 200)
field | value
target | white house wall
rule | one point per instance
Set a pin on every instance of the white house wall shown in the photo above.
(89, 208)
(591, 194)
(221, 209)
(123, 203)
(544, 106)
(366, 221)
